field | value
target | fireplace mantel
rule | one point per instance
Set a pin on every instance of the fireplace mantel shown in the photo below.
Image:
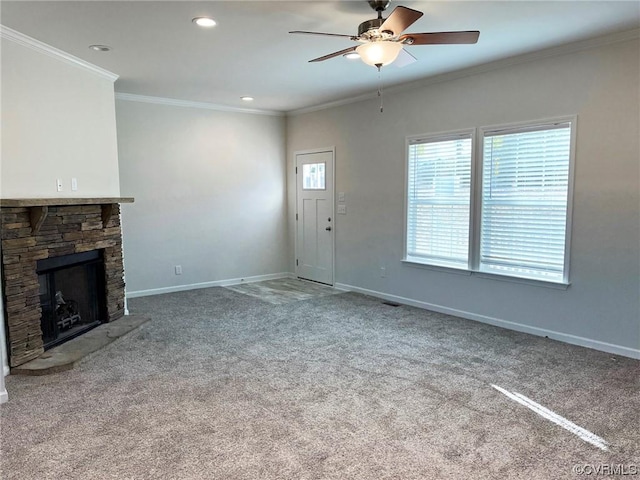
(39, 207)
(56, 202)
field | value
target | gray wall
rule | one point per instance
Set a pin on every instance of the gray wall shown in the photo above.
(600, 85)
(58, 122)
(209, 192)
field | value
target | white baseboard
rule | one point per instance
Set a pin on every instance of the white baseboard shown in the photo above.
(519, 327)
(4, 397)
(216, 283)
(6, 370)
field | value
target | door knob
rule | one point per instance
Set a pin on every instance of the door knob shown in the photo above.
(328, 229)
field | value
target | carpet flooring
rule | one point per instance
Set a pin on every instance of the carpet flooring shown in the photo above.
(284, 290)
(224, 385)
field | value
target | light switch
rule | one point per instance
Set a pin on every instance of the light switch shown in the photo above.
(342, 209)
(74, 184)
(341, 197)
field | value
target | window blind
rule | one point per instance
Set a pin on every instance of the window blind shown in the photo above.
(525, 181)
(438, 199)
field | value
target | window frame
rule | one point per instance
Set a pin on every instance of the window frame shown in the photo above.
(432, 138)
(475, 207)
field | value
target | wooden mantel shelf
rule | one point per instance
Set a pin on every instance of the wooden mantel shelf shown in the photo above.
(55, 202)
(39, 207)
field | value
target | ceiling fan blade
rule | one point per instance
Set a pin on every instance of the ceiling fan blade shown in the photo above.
(404, 59)
(324, 34)
(400, 19)
(334, 54)
(440, 38)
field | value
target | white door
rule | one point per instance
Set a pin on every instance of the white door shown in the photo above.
(314, 216)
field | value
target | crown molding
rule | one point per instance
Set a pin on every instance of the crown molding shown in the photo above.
(587, 44)
(41, 47)
(173, 102)
(337, 103)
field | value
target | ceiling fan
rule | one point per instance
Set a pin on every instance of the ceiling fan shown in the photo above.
(382, 41)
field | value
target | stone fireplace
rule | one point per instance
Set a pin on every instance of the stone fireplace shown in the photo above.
(47, 244)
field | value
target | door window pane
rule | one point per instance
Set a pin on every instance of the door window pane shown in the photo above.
(313, 176)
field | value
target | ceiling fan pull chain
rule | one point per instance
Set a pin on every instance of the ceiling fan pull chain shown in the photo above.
(380, 93)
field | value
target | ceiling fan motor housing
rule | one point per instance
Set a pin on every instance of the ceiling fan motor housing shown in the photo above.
(369, 30)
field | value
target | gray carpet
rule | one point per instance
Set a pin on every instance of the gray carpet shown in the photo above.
(284, 290)
(222, 385)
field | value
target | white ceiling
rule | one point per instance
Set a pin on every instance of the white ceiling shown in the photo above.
(158, 51)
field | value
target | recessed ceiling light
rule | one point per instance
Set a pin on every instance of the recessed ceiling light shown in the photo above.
(351, 56)
(204, 22)
(246, 98)
(100, 48)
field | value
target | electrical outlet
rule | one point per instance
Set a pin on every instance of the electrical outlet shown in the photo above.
(74, 184)
(178, 269)
(59, 184)
(383, 272)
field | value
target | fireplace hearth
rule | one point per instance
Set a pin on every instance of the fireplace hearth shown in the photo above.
(62, 270)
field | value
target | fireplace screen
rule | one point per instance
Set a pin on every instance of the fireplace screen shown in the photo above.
(72, 295)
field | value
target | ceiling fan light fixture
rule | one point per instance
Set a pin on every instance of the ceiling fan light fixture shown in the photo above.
(379, 53)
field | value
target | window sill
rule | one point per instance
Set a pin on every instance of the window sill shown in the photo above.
(437, 268)
(524, 281)
(489, 276)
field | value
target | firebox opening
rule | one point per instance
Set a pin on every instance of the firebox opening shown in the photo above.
(72, 295)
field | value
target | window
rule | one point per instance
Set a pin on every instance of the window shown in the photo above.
(525, 178)
(520, 227)
(438, 200)
(313, 176)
